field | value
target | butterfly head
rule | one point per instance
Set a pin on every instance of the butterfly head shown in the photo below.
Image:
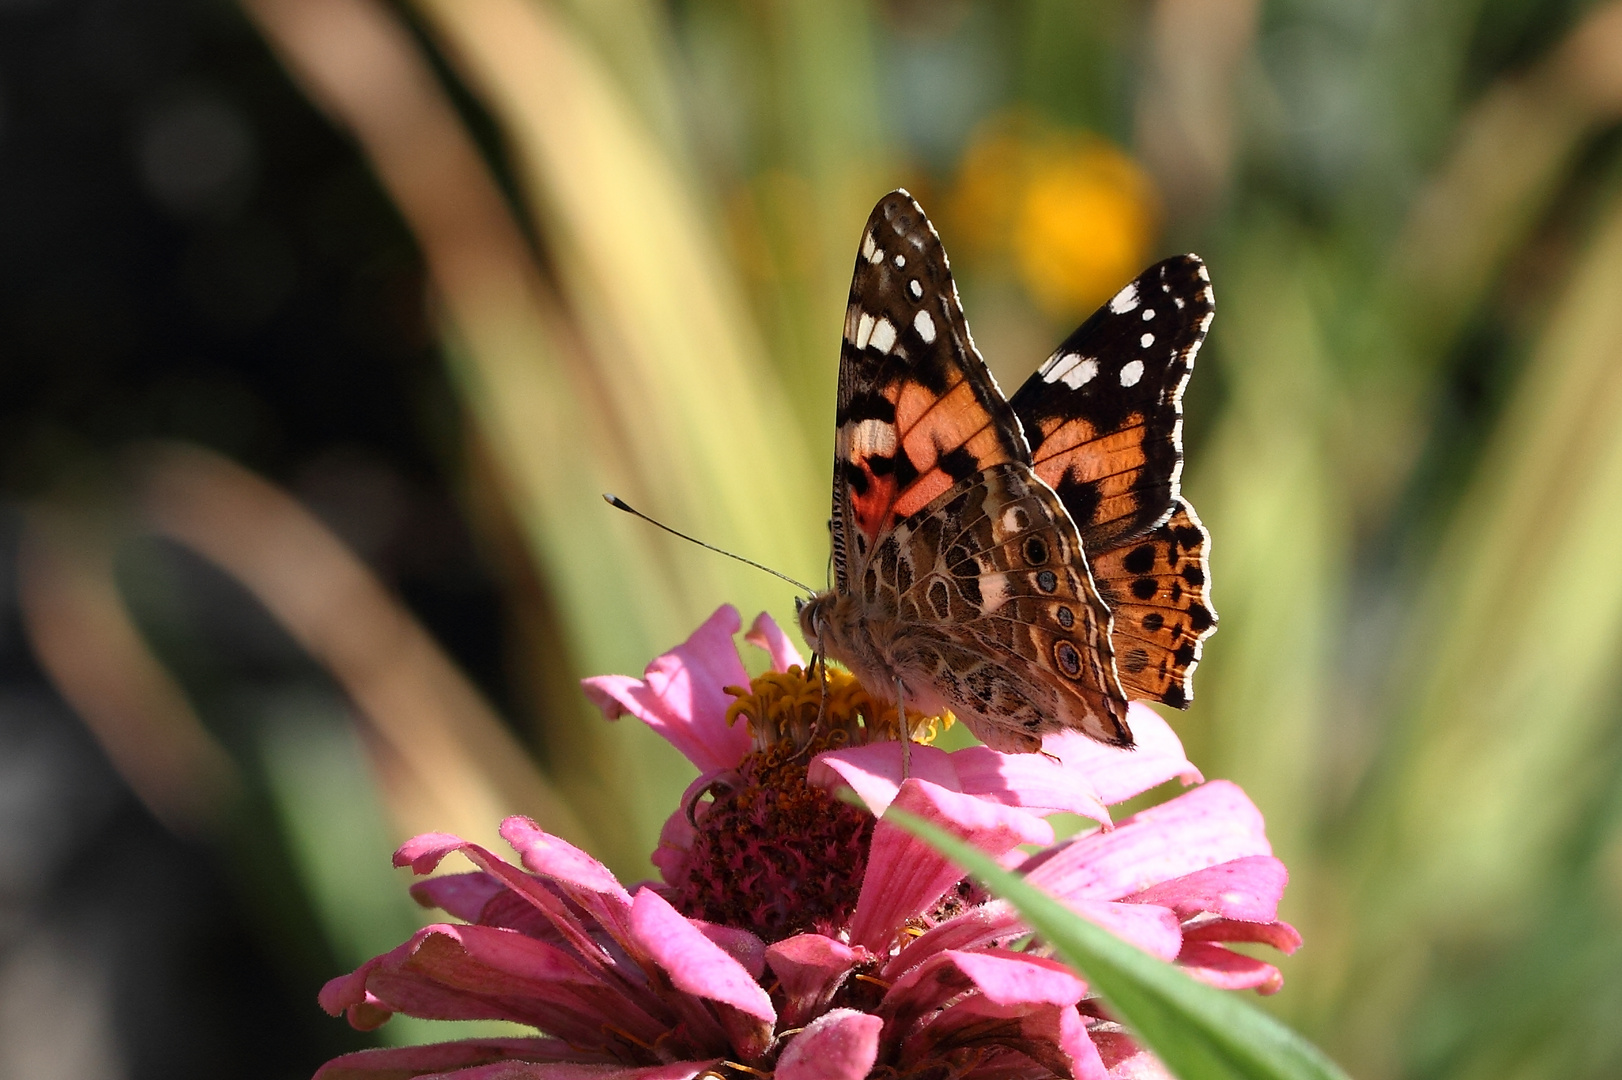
(813, 611)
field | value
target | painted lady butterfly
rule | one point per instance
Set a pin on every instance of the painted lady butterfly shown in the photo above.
(1027, 563)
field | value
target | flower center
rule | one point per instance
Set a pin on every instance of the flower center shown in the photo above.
(823, 710)
(772, 853)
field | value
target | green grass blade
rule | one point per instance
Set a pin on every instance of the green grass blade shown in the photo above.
(1198, 1031)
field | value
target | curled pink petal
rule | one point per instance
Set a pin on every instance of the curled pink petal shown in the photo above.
(682, 694)
(1247, 888)
(545, 854)
(695, 964)
(674, 854)
(1016, 980)
(397, 1062)
(1210, 824)
(841, 1044)
(1125, 1059)
(460, 895)
(565, 1070)
(1281, 935)
(741, 945)
(1052, 1036)
(1029, 780)
(1228, 970)
(1117, 775)
(1153, 929)
(809, 968)
(764, 633)
(905, 875)
(425, 852)
(979, 926)
(873, 771)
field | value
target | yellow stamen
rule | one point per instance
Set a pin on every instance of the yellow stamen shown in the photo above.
(788, 707)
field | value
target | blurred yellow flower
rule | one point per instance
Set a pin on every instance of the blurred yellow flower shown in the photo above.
(1074, 214)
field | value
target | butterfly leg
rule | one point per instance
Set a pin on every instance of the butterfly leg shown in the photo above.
(906, 731)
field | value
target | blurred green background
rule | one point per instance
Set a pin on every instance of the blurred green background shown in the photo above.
(325, 322)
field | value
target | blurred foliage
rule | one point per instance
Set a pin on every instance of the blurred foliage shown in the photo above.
(637, 222)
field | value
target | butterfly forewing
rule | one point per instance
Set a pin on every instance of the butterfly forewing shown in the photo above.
(917, 411)
(1103, 415)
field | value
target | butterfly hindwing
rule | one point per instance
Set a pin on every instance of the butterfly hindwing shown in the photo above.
(995, 602)
(1157, 587)
(1103, 415)
(917, 412)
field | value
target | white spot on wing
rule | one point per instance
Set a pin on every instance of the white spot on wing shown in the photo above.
(916, 289)
(900, 261)
(1058, 367)
(1125, 300)
(883, 338)
(925, 327)
(868, 247)
(872, 438)
(1081, 374)
(1131, 372)
(1148, 313)
(864, 330)
(993, 592)
(877, 256)
(1146, 340)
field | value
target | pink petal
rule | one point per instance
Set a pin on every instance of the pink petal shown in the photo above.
(874, 771)
(447, 972)
(1002, 978)
(544, 854)
(1127, 1060)
(841, 1044)
(1247, 889)
(1210, 824)
(681, 695)
(980, 925)
(1020, 980)
(741, 945)
(1029, 780)
(460, 895)
(905, 876)
(408, 1061)
(1153, 929)
(809, 968)
(1054, 1037)
(1115, 774)
(1227, 969)
(680, 1070)
(1281, 935)
(675, 849)
(424, 853)
(695, 964)
(764, 633)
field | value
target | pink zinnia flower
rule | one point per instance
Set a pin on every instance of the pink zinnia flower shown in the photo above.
(797, 935)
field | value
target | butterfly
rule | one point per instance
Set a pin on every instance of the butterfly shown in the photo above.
(1028, 563)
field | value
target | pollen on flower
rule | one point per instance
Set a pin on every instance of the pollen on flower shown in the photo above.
(823, 710)
(771, 851)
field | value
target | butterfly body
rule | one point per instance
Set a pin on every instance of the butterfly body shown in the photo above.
(964, 557)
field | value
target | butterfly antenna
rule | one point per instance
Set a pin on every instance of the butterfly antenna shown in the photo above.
(620, 504)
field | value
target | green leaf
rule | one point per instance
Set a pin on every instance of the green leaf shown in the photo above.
(1200, 1032)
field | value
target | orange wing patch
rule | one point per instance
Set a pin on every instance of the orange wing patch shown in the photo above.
(917, 410)
(1158, 589)
(1074, 457)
